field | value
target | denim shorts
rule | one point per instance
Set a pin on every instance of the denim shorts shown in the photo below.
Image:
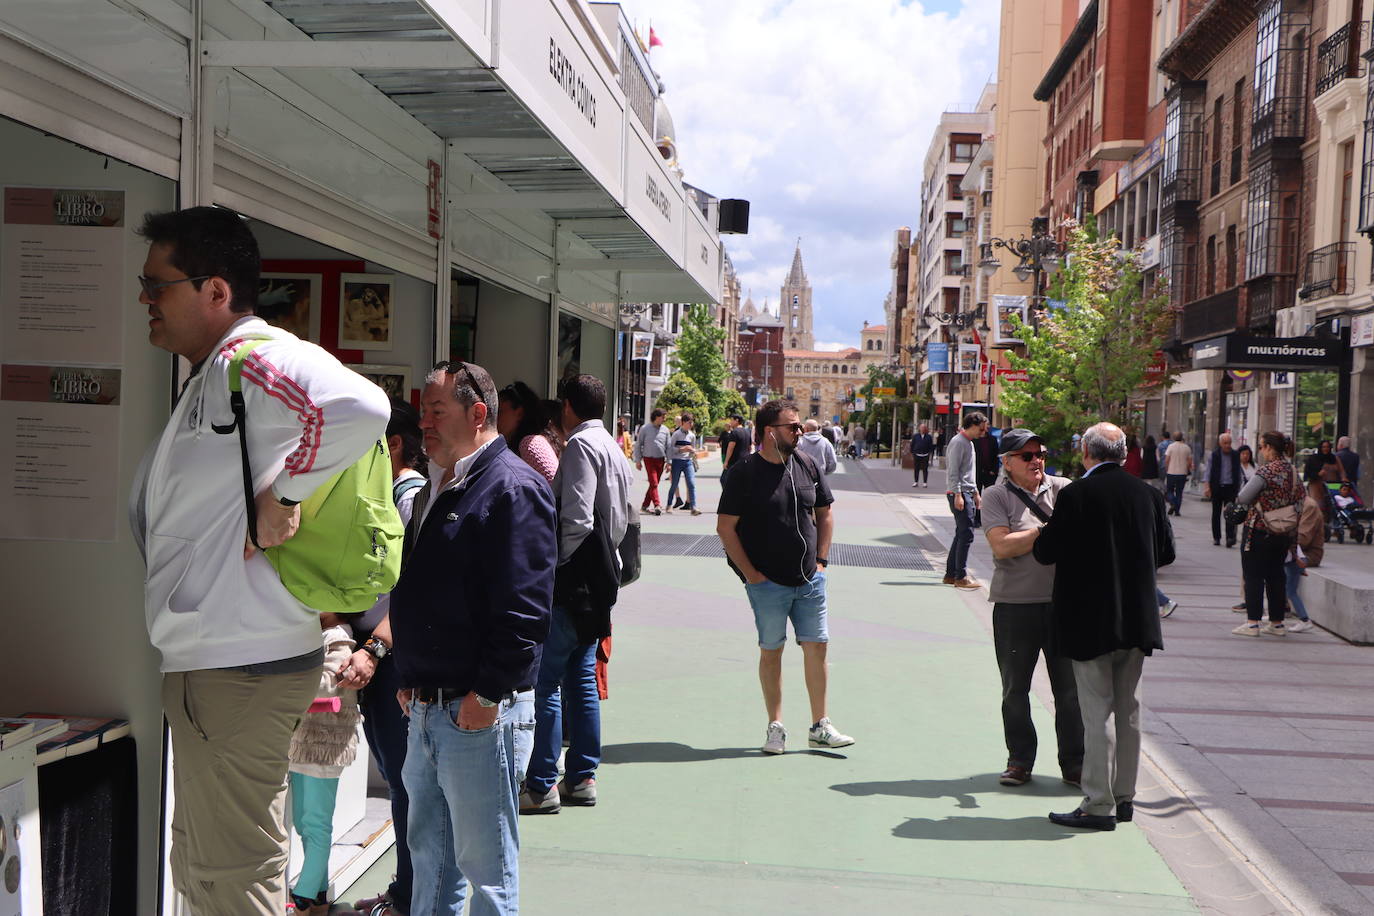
(775, 604)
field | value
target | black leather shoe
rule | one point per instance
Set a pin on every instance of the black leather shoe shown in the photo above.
(1079, 818)
(1124, 812)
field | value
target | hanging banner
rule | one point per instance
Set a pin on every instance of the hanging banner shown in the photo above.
(969, 357)
(1004, 307)
(642, 345)
(937, 357)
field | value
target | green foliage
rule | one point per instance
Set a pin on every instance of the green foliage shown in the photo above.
(698, 355)
(1087, 359)
(681, 393)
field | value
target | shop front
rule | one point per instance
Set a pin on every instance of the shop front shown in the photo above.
(423, 185)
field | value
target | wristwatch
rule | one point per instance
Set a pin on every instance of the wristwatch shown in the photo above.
(376, 648)
(484, 702)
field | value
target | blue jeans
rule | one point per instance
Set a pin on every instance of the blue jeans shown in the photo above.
(1293, 574)
(385, 728)
(463, 788)
(681, 467)
(571, 665)
(1173, 490)
(956, 566)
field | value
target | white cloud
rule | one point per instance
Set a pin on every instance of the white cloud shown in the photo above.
(819, 114)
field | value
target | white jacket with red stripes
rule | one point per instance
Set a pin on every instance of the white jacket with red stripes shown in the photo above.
(309, 417)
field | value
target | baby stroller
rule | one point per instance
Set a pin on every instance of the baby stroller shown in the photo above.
(1348, 514)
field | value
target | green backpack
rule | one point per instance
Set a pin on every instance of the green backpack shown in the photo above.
(347, 550)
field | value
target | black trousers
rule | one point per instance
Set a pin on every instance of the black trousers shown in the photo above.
(1261, 568)
(1020, 633)
(387, 729)
(1221, 495)
(922, 467)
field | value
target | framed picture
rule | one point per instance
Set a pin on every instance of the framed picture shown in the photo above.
(394, 380)
(365, 311)
(290, 301)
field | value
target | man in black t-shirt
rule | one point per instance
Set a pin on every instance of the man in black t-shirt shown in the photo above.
(775, 525)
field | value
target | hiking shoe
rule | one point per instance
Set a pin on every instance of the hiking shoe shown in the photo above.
(965, 583)
(1014, 775)
(1298, 626)
(1274, 629)
(1247, 629)
(546, 803)
(1168, 608)
(583, 794)
(823, 734)
(776, 742)
(1238, 608)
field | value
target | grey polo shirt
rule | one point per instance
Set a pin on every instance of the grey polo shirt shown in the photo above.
(1019, 580)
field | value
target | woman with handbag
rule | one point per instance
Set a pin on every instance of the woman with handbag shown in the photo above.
(1271, 502)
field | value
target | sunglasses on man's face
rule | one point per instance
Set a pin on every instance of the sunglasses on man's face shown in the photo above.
(1028, 457)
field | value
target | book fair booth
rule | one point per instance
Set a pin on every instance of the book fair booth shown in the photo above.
(473, 179)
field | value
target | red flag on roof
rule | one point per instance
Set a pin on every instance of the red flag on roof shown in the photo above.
(653, 38)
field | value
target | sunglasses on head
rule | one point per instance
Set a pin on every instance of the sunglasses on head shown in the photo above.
(153, 288)
(1028, 457)
(456, 366)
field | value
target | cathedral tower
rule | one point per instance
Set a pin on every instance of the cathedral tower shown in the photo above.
(795, 308)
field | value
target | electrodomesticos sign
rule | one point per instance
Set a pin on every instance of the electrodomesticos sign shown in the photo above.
(1241, 351)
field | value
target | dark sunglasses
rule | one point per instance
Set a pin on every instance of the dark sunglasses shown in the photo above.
(454, 367)
(153, 288)
(1028, 457)
(794, 427)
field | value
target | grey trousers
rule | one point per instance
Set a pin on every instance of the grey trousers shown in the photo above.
(1109, 685)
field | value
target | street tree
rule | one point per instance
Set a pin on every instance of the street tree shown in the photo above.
(1086, 359)
(699, 356)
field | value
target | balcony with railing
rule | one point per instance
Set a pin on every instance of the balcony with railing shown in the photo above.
(1211, 316)
(1338, 57)
(1327, 272)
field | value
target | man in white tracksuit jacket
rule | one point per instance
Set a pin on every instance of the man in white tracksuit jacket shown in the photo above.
(241, 657)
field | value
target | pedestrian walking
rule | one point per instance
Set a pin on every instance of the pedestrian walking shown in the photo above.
(1022, 613)
(1178, 464)
(241, 655)
(775, 524)
(470, 616)
(963, 495)
(815, 447)
(922, 448)
(1108, 536)
(651, 448)
(593, 493)
(1222, 484)
(682, 449)
(1274, 497)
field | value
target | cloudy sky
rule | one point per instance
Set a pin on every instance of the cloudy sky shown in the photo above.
(819, 113)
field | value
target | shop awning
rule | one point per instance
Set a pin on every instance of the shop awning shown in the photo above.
(539, 130)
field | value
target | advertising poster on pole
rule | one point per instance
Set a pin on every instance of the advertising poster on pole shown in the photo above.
(1003, 331)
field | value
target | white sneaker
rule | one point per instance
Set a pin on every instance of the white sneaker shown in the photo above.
(1247, 629)
(777, 739)
(1299, 626)
(823, 734)
(1274, 629)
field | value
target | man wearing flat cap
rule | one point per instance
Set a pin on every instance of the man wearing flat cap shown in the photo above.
(1014, 511)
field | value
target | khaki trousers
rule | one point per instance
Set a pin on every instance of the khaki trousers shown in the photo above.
(1109, 685)
(230, 736)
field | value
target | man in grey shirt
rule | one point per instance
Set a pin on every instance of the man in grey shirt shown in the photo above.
(964, 501)
(1021, 593)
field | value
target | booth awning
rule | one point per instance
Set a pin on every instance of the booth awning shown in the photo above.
(528, 97)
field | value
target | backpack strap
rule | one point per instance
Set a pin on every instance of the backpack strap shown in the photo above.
(240, 423)
(1031, 504)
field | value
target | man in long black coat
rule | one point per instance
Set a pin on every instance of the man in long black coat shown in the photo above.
(1108, 535)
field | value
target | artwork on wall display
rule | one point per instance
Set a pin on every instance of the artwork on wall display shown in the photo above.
(394, 380)
(365, 308)
(290, 301)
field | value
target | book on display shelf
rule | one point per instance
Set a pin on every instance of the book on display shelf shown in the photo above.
(83, 733)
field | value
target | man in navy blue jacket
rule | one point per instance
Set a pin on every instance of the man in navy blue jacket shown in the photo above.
(469, 618)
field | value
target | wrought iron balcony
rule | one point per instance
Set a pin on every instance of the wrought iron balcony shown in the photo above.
(1327, 271)
(1338, 56)
(1211, 316)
